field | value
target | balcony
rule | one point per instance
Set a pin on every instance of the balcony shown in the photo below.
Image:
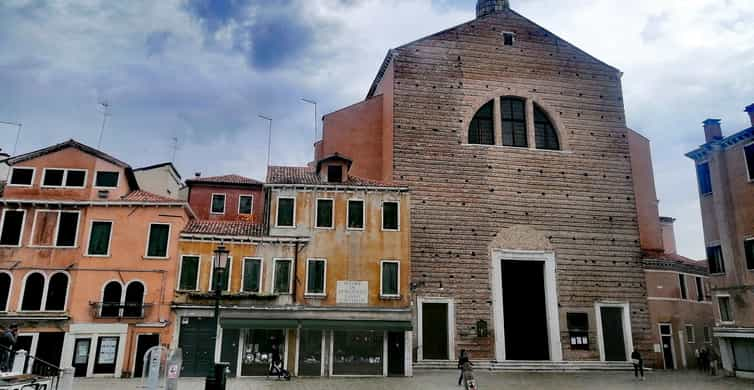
(120, 311)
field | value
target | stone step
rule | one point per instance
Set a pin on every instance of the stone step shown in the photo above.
(527, 365)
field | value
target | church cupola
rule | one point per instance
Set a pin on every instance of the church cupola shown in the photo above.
(486, 7)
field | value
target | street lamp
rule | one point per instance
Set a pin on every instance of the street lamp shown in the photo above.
(220, 263)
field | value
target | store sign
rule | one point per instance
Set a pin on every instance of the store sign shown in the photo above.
(107, 350)
(349, 292)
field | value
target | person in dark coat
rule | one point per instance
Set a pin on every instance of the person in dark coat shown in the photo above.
(463, 358)
(7, 347)
(638, 364)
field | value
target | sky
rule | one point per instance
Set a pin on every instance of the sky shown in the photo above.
(201, 71)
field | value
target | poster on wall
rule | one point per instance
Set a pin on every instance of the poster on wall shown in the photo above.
(350, 292)
(107, 350)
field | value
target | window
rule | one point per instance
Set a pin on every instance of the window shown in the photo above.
(545, 135)
(157, 246)
(111, 296)
(5, 290)
(749, 155)
(715, 260)
(702, 175)
(99, 238)
(12, 227)
(252, 275)
(134, 306)
(218, 204)
(482, 128)
(57, 292)
(390, 278)
(325, 213)
(282, 276)
(68, 227)
(245, 204)
(224, 284)
(106, 179)
(682, 283)
(690, 336)
(508, 38)
(334, 174)
(75, 178)
(749, 250)
(707, 334)
(699, 289)
(53, 177)
(188, 280)
(34, 286)
(513, 111)
(578, 330)
(355, 214)
(725, 310)
(55, 228)
(21, 176)
(315, 277)
(286, 212)
(390, 216)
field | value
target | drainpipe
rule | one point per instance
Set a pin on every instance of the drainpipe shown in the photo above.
(295, 275)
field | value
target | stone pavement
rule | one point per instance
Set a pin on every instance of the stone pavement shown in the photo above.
(440, 380)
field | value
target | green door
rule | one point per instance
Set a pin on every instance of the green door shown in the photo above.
(197, 340)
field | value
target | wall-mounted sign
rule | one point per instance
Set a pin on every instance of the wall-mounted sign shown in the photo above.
(350, 292)
(108, 347)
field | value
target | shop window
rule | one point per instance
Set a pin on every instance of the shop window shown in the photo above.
(513, 111)
(218, 204)
(324, 215)
(245, 204)
(749, 249)
(703, 176)
(715, 260)
(282, 277)
(111, 297)
(726, 315)
(12, 227)
(21, 176)
(224, 280)
(252, 275)
(310, 353)
(315, 277)
(690, 336)
(356, 214)
(682, 284)
(699, 289)
(578, 330)
(105, 179)
(743, 355)
(134, 306)
(482, 128)
(99, 238)
(357, 352)
(545, 135)
(5, 285)
(258, 348)
(57, 292)
(390, 276)
(159, 234)
(189, 273)
(390, 216)
(33, 289)
(749, 155)
(286, 212)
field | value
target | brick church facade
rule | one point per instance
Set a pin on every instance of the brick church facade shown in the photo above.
(524, 235)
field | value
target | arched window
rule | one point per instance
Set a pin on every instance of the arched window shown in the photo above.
(111, 297)
(513, 117)
(544, 132)
(134, 300)
(33, 291)
(482, 128)
(5, 285)
(57, 292)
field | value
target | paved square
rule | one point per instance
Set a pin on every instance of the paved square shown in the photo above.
(439, 380)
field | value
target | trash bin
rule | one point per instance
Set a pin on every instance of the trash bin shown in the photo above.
(218, 381)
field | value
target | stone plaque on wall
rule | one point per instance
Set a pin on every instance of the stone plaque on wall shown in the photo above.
(350, 292)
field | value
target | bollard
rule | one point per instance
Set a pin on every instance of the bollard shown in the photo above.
(19, 361)
(66, 379)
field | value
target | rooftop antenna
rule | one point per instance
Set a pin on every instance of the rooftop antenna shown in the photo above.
(105, 113)
(18, 133)
(313, 102)
(269, 137)
(175, 148)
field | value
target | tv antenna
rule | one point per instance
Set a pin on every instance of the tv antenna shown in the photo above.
(18, 133)
(105, 106)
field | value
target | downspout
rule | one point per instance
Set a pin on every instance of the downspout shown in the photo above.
(295, 275)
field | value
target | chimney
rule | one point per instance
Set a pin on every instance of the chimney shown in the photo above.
(712, 130)
(667, 225)
(486, 7)
(750, 110)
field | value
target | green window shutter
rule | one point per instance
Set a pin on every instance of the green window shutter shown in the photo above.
(389, 278)
(324, 213)
(316, 277)
(251, 271)
(356, 214)
(189, 273)
(99, 238)
(158, 240)
(285, 212)
(282, 276)
(390, 215)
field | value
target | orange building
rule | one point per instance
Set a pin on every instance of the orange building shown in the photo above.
(85, 260)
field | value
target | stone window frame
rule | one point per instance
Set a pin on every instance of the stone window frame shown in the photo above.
(31, 182)
(732, 320)
(332, 213)
(212, 203)
(251, 205)
(690, 333)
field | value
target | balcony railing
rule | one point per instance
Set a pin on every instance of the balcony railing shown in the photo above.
(128, 310)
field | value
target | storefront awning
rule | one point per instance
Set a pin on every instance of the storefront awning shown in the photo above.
(254, 323)
(356, 325)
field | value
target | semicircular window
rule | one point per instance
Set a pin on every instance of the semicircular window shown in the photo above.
(544, 132)
(482, 128)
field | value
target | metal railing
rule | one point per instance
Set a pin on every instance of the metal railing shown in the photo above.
(36, 367)
(128, 310)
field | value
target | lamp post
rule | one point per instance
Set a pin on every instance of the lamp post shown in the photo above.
(220, 263)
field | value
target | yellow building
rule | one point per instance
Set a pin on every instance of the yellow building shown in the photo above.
(325, 279)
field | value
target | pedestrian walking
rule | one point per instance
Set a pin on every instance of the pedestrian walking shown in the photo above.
(638, 362)
(713, 362)
(7, 347)
(704, 356)
(463, 358)
(698, 355)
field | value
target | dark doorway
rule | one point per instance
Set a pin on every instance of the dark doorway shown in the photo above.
(396, 353)
(24, 342)
(143, 343)
(197, 340)
(310, 352)
(229, 349)
(666, 336)
(81, 351)
(435, 331)
(612, 334)
(49, 349)
(525, 310)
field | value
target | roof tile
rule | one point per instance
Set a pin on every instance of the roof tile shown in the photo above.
(307, 176)
(144, 196)
(225, 179)
(225, 228)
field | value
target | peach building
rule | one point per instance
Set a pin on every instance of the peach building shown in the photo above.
(85, 260)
